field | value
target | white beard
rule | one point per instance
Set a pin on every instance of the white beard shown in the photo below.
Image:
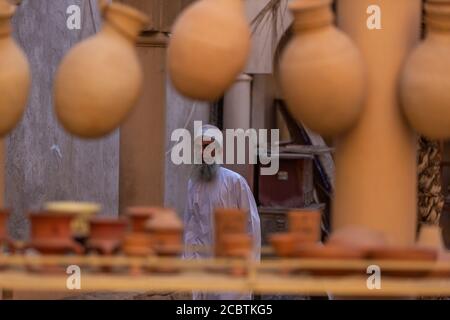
(205, 172)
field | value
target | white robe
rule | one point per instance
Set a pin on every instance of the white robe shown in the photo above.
(227, 190)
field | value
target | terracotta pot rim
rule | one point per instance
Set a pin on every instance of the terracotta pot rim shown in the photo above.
(127, 11)
(300, 5)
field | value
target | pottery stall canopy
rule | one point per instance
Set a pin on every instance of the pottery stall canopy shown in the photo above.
(100, 79)
(14, 73)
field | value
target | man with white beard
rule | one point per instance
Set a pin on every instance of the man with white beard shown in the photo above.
(212, 186)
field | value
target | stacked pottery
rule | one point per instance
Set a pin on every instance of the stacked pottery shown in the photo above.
(51, 233)
(14, 73)
(425, 84)
(322, 73)
(209, 47)
(166, 231)
(100, 79)
(106, 235)
(139, 216)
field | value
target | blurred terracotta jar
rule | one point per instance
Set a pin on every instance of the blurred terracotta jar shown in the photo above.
(14, 73)
(305, 224)
(237, 246)
(209, 47)
(284, 244)
(51, 233)
(100, 79)
(166, 231)
(425, 84)
(322, 73)
(227, 221)
(139, 216)
(107, 235)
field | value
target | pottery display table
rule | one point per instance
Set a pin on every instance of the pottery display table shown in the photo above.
(267, 277)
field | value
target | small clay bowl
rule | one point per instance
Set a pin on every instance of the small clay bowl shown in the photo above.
(330, 252)
(284, 244)
(412, 254)
(106, 235)
(139, 216)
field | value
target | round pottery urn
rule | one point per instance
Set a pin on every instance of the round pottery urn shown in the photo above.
(322, 74)
(106, 235)
(100, 79)
(209, 47)
(166, 231)
(15, 77)
(139, 216)
(51, 233)
(81, 211)
(425, 83)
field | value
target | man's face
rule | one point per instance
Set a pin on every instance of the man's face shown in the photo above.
(205, 143)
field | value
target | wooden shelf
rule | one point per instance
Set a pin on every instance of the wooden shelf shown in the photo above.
(269, 276)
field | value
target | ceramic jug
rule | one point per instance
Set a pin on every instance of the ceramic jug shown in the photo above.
(425, 84)
(322, 73)
(14, 73)
(209, 47)
(100, 79)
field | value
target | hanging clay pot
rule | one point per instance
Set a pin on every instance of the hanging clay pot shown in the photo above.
(322, 73)
(51, 233)
(209, 47)
(139, 216)
(166, 231)
(106, 235)
(14, 73)
(100, 80)
(425, 84)
(81, 211)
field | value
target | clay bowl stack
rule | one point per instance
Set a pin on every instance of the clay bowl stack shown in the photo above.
(166, 232)
(51, 234)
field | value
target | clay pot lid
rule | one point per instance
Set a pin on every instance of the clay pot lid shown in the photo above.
(164, 221)
(142, 211)
(403, 253)
(318, 251)
(83, 208)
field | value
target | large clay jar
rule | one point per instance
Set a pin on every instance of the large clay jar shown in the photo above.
(100, 80)
(14, 74)
(425, 87)
(322, 74)
(209, 47)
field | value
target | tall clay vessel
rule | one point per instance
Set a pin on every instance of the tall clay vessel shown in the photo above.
(321, 72)
(14, 73)
(209, 47)
(100, 79)
(425, 89)
(376, 169)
